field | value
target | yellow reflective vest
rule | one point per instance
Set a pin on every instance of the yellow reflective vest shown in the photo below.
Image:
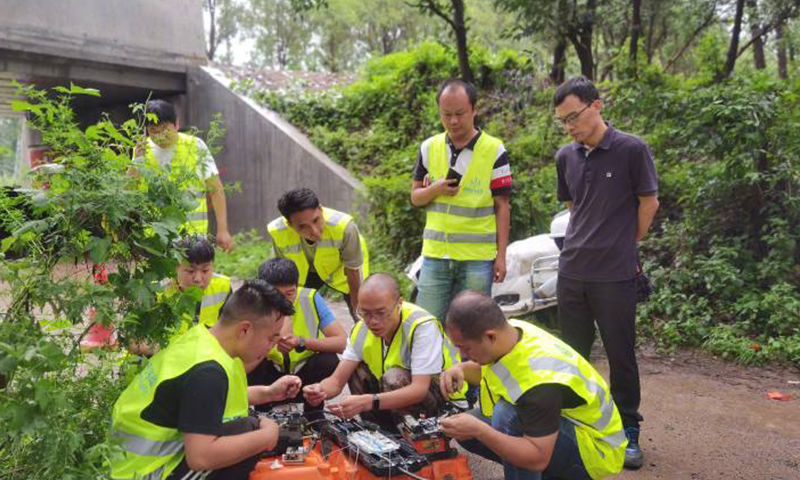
(152, 451)
(214, 297)
(540, 358)
(305, 323)
(327, 260)
(462, 227)
(183, 168)
(370, 346)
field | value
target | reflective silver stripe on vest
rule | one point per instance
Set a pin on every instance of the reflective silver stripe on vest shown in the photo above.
(556, 365)
(472, 212)
(329, 243)
(197, 216)
(278, 224)
(213, 299)
(294, 248)
(408, 323)
(358, 344)
(459, 237)
(154, 475)
(447, 344)
(335, 218)
(144, 446)
(308, 313)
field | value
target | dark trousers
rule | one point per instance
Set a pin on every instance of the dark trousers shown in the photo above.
(236, 471)
(363, 382)
(612, 305)
(316, 369)
(314, 281)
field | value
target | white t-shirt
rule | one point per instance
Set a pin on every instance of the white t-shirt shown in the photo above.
(426, 351)
(206, 167)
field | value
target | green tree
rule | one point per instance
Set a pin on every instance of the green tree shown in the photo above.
(54, 399)
(453, 13)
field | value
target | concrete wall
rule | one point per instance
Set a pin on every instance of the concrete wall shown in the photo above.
(156, 34)
(264, 153)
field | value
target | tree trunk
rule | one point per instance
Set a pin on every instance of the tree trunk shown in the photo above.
(212, 31)
(759, 60)
(559, 62)
(783, 64)
(636, 31)
(733, 48)
(460, 28)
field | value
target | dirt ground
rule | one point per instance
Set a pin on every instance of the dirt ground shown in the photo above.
(704, 419)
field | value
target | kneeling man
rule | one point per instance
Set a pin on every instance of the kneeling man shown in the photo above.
(185, 415)
(545, 411)
(392, 362)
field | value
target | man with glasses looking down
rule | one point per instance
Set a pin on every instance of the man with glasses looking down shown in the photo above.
(392, 361)
(608, 180)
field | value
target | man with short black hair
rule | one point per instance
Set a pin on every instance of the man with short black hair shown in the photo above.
(324, 243)
(545, 411)
(186, 414)
(608, 180)
(309, 341)
(463, 180)
(393, 358)
(197, 270)
(190, 162)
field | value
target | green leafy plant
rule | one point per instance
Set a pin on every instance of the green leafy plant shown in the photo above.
(92, 207)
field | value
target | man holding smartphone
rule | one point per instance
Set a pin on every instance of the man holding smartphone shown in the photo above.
(463, 179)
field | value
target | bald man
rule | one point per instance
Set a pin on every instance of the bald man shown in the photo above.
(392, 362)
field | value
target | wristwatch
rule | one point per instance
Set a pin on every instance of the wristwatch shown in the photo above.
(376, 402)
(301, 344)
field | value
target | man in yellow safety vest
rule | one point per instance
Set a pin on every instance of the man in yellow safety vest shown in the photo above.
(463, 180)
(310, 339)
(325, 244)
(545, 411)
(185, 156)
(393, 358)
(185, 415)
(196, 271)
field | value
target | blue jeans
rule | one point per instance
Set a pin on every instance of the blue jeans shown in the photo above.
(566, 462)
(441, 279)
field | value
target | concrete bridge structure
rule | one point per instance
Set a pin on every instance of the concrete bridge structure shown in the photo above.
(134, 49)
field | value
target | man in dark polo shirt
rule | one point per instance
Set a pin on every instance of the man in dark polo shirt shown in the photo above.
(609, 183)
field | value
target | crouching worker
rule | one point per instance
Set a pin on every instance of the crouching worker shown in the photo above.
(197, 270)
(309, 341)
(392, 362)
(545, 411)
(186, 414)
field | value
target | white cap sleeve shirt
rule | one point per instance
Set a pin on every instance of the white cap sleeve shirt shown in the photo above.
(426, 351)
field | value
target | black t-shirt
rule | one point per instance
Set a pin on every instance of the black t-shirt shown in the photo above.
(193, 402)
(539, 409)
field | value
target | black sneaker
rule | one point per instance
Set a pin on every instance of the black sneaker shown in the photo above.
(634, 459)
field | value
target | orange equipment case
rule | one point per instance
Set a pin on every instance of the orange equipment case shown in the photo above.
(340, 466)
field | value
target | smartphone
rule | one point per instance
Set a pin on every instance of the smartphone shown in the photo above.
(453, 175)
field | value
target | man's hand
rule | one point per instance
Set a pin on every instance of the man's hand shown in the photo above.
(285, 387)
(451, 380)
(352, 406)
(462, 426)
(445, 187)
(272, 429)
(499, 268)
(225, 241)
(314, 394)
(288, 343)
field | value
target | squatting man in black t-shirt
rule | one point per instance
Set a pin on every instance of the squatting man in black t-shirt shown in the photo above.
(185, 415)
(545, 411)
